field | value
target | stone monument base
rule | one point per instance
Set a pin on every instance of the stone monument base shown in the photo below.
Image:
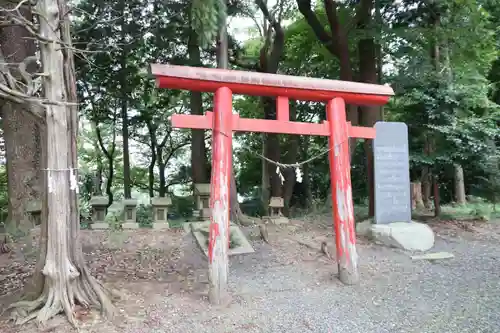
(410, 236)
(130, 225)
(161, 226)
(99, 226)
(200, 233)
(276, 219)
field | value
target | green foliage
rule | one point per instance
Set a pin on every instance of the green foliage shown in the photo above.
(144, 216)
(476, 208)
(183, 206)
(205, 18)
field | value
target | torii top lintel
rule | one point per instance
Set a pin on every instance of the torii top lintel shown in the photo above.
(265, 84)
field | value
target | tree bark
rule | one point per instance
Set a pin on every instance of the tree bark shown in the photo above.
(66, 280)
(416, 196)
(199, 159)
(306, 179)
(272, 150)
(265, 187)
(125, 94)
(369, 115)
(269, 60)
(152, 162)
(110, 156)
(426, 187)
(437, 199)
(460, 197)
(236, 214)
(97, 190)
(23, 133)
(337, 43)
(291, 158)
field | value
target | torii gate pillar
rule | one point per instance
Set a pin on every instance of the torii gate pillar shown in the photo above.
(223, 123)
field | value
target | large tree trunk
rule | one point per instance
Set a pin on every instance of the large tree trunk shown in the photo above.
(222, 62)
(199, 160)
(66, 280)
(125, 95)
(265, 187)
(110, 155)
(306, 179)
(23, 132)
(272, 152)
(417, 201)
(127, 188)
(460, 197)
(426, 187)
(152, 162)
(291, 158)
(97, 188)
(368, 73)
(337, 43)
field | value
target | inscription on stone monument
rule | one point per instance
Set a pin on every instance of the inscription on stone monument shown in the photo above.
(391, 173)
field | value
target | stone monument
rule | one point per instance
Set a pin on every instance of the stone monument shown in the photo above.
(34, 209)
(202, 201)
(160, 209)
(391, 173)
(393, 225)
(129, 214)
(99, 206)
(276, 205)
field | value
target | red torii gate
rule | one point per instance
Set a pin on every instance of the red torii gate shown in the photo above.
(226, 82)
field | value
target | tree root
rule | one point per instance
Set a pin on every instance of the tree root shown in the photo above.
(246, 220)
(58, 298)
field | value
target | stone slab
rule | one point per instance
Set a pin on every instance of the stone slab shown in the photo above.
(276, 202)
(433, 256)
(364, 228)
(244, 245)
(160, 226)
(391, 173)
(34, 206)
(130, 225)
(276, 219)
(161, 201)
(99, 226)
(411, 236)
(201, 189)
(129, 202)
(99, 201)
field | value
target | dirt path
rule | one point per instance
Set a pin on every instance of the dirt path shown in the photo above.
(287, 287)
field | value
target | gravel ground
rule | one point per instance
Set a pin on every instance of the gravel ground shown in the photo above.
(287, 288)
(396, 294)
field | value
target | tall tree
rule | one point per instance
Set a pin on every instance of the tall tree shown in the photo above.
(209, 21)
(62, 279)
(23, 132)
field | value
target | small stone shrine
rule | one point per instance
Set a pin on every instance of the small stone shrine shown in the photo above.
(129, 214)
(34, 210)
(160, 210)
(202, 201)
(276, 205)
(99, 207)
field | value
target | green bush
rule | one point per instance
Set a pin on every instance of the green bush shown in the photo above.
(145, 216)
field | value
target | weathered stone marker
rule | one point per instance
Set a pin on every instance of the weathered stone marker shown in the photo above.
(99, 210)
(201, 193)
(276, 205)
(391, 173)
(160, 212)
(34, 209)
(129, 214)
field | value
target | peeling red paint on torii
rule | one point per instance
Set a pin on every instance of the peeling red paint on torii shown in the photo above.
(223, 123)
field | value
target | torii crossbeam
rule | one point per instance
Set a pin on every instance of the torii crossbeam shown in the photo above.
(223, 123)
